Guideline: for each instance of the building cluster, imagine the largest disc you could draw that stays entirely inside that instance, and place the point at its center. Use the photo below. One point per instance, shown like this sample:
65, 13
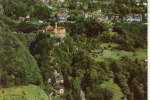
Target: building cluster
59, 80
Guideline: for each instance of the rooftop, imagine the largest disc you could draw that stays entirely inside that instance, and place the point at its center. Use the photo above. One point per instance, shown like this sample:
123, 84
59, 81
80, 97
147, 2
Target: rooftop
58, 87
60, 77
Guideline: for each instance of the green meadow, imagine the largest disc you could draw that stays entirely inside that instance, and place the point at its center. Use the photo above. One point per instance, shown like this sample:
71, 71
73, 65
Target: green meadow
110, 52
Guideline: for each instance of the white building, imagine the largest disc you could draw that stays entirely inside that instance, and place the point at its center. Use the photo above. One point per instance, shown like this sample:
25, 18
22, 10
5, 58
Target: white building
134, 17
58, 89
59, 79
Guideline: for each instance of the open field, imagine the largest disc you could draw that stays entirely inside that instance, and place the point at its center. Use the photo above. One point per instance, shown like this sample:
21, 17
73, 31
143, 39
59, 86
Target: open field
30, 92
117, 54
101, 55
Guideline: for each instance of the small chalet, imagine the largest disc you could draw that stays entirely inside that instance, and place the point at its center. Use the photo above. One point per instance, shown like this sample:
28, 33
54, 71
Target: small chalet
59, 79
62, 16
58, 89
134, 17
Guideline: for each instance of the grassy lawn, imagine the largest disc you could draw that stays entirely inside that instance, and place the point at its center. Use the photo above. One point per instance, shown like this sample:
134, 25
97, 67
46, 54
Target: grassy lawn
117, 54
30, 92
114, 88
140, 54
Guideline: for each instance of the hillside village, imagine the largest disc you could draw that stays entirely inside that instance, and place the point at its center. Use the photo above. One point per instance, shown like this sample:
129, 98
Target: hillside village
73, 49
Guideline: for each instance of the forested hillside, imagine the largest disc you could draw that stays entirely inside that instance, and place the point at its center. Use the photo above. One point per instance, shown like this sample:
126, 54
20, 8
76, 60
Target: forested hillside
73, 50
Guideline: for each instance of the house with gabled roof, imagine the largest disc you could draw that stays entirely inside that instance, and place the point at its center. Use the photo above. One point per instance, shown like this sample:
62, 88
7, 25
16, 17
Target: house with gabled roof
59, 79
62, 16
58, 89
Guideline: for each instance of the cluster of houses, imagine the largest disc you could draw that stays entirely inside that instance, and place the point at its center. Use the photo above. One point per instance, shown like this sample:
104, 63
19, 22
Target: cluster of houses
58, 88
129, 17
59, 80
63, 16
100, 17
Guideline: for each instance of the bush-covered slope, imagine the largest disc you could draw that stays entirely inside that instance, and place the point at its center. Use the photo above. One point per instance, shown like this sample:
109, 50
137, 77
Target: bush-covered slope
17, 65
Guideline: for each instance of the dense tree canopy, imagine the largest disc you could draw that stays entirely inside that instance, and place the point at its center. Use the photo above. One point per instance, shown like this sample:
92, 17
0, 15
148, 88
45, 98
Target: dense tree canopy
17, 65
28, 56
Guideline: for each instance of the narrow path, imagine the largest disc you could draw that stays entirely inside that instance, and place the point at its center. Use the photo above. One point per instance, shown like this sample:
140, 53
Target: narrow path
50, 96
82, 94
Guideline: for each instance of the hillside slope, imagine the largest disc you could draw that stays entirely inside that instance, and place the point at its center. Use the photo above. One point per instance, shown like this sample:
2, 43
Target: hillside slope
17, 65
114, 88
30, 92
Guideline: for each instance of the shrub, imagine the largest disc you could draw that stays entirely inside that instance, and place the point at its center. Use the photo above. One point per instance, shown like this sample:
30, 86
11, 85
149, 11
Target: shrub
134, 54
109, 46
3, 91
23, 92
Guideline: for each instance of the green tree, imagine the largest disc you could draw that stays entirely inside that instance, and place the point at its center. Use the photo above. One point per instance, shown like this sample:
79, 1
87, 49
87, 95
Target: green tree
16, 63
